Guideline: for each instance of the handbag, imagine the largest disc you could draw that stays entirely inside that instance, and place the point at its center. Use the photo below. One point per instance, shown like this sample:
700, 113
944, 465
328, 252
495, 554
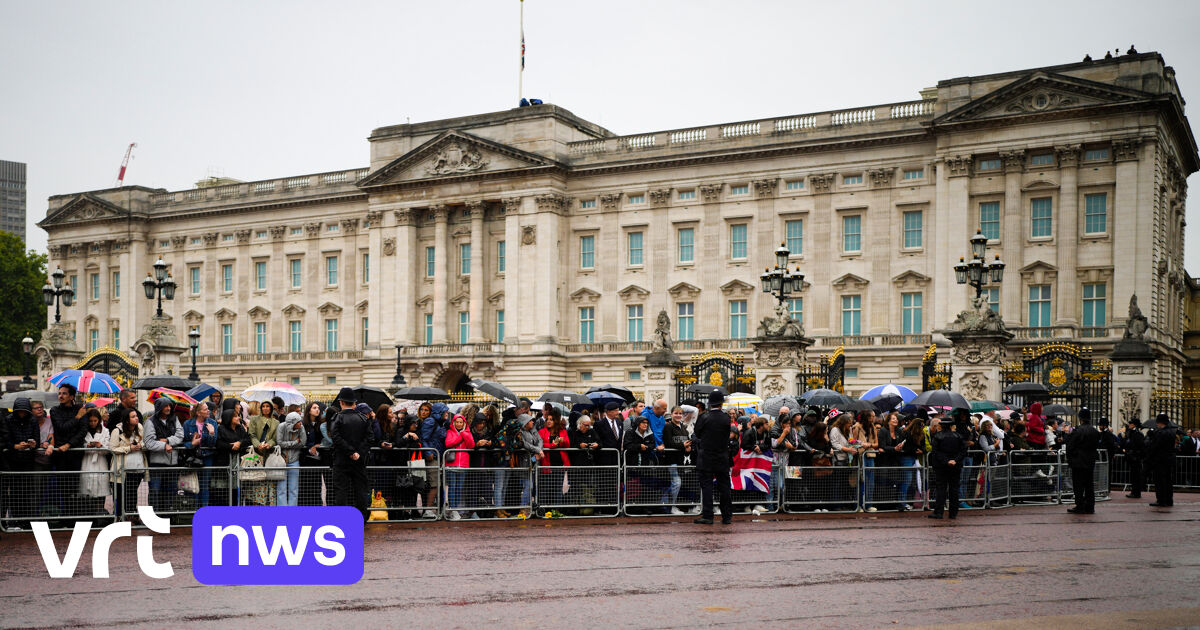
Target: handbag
251, 468
189, 482
275, 466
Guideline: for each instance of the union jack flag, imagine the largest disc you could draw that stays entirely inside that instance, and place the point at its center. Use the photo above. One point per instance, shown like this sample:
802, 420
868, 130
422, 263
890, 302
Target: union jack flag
752, 471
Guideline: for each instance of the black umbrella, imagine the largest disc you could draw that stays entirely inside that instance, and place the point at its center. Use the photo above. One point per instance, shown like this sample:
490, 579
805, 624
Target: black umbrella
371, 395
885, 402
569, 399
495, 390
623, 392
1027, 388
854, 404
941, 398
1057, 409
422, 393
169, 381
704, 388
823, 398
48, 399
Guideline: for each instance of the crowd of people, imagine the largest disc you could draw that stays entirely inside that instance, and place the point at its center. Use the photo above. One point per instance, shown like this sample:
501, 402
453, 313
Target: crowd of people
348, 453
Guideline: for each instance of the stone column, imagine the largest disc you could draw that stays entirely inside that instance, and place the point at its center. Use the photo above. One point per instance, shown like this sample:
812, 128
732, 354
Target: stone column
158, 349
658, 380
407, 264
777, 363
1133, 368
1066, 238
380, 331
976, 358
1011, 238
441, 275
478, 275
953, 197
518, 326
105, 300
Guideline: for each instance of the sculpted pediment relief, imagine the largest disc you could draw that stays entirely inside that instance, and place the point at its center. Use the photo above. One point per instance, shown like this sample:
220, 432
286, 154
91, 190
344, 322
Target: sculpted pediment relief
454, 154
850, 281
737, 288
85, 207
1041, 92
911, 279
585, 295
633, 292
684, 290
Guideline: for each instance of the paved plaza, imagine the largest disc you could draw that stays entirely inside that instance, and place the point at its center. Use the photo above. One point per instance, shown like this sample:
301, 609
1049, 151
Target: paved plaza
1129, 566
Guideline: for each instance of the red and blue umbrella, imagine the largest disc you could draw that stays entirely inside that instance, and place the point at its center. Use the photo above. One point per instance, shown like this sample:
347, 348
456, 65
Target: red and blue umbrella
86, 381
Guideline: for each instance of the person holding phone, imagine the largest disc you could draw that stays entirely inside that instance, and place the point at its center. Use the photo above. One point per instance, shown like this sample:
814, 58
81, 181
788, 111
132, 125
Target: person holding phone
126, 441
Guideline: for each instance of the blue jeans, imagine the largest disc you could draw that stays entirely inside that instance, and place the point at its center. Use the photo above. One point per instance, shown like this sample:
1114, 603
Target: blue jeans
866, 490
455, 478
205, 476
526, 491
287, 490
671, 493
500, 485
907, 475
969, 475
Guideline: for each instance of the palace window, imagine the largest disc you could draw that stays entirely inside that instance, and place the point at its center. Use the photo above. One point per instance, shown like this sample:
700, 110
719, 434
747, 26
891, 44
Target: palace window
913, 228
796, 309
687, 245
260, 276
500, 326
500, 253
739, 189
794, 184
1094, 304
687, 195
794, 234
737, 319
1039, 305
633, 322
464, 259
915, 173
587, 324
260, 337
1042, 159
331, 335
635, 249
1042, 212
737, 241
851, 180
851, 314
1095, 213
911, 306
587, 252
294, 335
116, 284
428, 329
430, 262
295, 273
227, 338
227, 278
852, 234
686, 321
989, 219
331, 271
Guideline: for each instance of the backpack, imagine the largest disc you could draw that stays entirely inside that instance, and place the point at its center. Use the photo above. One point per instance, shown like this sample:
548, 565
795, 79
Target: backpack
508, 436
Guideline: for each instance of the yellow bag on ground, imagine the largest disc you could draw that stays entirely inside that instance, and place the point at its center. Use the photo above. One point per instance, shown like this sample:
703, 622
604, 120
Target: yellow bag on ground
378, 502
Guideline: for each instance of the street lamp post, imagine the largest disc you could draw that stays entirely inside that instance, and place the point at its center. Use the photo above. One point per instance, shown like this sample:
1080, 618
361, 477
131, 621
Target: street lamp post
398, 381
779, 282
27, 347
194, 344
978, 272
160, 284
58, 294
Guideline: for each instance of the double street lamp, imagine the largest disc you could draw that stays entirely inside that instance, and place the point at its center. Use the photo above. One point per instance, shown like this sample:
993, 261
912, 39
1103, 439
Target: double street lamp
977, 272
58, 294
27, 346
194, 345
780, 282
160, 283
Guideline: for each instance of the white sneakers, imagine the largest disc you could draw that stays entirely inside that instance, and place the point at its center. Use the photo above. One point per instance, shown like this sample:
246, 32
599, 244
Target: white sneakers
695, 510
453, 516
676, 511
871, 509
758, 509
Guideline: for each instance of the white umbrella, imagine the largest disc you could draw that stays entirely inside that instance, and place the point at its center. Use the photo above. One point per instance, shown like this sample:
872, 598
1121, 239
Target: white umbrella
267, 390
743, 400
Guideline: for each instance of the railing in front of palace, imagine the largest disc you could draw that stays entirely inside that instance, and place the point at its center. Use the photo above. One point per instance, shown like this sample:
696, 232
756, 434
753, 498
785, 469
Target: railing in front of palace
766, 127
342, 355
255, 189
875, 340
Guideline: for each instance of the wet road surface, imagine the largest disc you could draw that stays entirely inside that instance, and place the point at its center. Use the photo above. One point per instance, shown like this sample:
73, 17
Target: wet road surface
1018, 567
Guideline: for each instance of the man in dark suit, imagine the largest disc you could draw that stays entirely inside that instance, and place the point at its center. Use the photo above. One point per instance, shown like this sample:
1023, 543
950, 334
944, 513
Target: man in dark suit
351, 435
712, 463
1135, 447
1160, 453
947, 457
1082, 444
610, 430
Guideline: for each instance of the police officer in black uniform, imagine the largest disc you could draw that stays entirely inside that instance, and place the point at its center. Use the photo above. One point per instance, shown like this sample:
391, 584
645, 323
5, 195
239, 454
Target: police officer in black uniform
947, 457
351, 435
1135, 453
1161, 454
1082, 445
713, 463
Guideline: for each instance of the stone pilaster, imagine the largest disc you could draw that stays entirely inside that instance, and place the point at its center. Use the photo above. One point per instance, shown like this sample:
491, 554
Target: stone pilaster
1132, 379
158, 348
976, 358
658, 379
777, 362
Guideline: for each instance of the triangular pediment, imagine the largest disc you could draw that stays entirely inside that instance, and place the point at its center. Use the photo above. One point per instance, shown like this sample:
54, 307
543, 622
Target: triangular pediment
585, 295
633, 292
455, 154
292, 310
85, 207
850, 281
684, 290
1041, 92
496, 299
329, 308
258, 312
224, 314
911, 278
737, 288
1038, 265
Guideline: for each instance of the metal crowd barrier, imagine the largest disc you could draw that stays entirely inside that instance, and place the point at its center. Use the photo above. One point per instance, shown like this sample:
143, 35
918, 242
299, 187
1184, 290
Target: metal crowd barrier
404, 478
493, 491
821, 488
660, 490
585, 489
1035, 477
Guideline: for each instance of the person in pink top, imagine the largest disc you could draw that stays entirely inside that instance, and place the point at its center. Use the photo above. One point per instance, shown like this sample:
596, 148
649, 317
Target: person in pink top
458, 437
1036, 427
554, 437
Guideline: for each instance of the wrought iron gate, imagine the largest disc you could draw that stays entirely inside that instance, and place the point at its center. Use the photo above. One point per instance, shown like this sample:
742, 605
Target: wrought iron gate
935, 375
828, 373
715, 368
1070, 373
112, 362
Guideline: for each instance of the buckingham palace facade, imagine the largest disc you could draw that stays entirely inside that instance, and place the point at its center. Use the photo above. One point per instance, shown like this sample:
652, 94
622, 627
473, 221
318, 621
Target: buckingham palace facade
536, 248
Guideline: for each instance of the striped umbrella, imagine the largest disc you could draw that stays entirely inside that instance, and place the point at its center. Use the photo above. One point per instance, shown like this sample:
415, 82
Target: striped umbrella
86, 381
175, 396
903, 392
743, 401
267, 390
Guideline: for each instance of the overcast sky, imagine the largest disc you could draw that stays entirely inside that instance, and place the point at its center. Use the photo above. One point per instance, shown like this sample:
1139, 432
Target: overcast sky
255, 90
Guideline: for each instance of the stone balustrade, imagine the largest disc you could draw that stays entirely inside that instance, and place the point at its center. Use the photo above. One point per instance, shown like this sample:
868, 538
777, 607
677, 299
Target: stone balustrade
261, 190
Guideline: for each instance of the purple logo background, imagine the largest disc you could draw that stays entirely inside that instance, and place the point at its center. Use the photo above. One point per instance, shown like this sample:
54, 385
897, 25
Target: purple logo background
320, 545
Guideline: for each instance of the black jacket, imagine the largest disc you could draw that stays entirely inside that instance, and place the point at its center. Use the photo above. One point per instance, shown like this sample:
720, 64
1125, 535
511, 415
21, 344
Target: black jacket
1108, 442
1135, 445
1161, 445
948, 445
889, 455
351, 433
608, 439
67, 428
673, 437
583, 457
712, 440
226, 437
1082, 444
635, 455
22, 427
751, 438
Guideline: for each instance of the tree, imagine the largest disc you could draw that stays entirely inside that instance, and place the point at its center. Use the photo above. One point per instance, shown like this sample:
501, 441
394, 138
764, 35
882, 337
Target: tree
22, 275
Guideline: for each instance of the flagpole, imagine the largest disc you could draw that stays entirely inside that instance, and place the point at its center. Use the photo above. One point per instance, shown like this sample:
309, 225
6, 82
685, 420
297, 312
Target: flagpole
521, 71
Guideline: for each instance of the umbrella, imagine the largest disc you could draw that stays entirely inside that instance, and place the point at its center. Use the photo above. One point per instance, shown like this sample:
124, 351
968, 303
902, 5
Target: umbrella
47, 399
565, 398
988, 405
886, 402
601, 399
903, 392
175, 396
744, 401
86, 381
267, 390
1027, 389
1057, 409
941, 398
772, 405
102, 402
857, 404
823, 398
704, 389
202, 391
495, 390
373, 396
624, 392
423, 393
163, 380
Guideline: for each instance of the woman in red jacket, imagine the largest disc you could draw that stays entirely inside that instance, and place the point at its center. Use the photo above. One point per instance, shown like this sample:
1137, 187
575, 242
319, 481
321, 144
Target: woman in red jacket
458, 436
1035, 427
554, 437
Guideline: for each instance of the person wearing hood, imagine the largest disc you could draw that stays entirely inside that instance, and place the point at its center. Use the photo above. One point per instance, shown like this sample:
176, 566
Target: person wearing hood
530, 451
1160, 451
20, 446
291, 438
262, 429
200, 435
233, 441
164, 434
946, 459
459, 438
434, 425
1035, 427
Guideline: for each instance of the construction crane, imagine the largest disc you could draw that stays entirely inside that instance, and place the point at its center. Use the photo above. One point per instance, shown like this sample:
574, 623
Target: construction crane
125, 164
